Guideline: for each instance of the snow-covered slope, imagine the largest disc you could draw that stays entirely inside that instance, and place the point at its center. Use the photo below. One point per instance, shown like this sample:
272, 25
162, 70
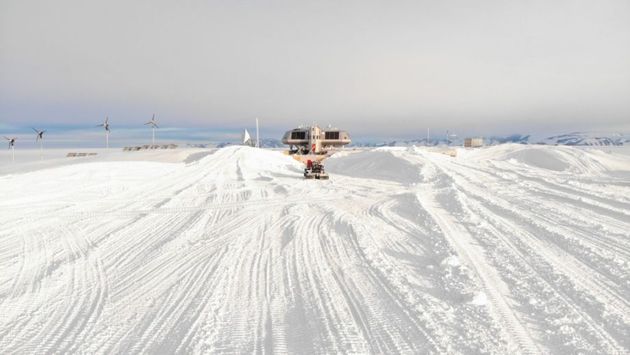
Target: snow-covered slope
500, 250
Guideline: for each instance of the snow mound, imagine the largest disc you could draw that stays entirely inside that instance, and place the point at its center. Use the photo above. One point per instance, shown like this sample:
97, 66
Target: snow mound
612, 163
559, 159
540, 158
378, 164
247, 163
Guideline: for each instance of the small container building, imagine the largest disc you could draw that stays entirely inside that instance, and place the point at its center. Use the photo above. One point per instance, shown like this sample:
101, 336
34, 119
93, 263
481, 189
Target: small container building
473, 142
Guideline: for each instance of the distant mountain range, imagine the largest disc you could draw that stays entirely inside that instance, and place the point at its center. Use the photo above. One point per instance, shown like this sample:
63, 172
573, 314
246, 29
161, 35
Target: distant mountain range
264, 142
585, 138
573, 139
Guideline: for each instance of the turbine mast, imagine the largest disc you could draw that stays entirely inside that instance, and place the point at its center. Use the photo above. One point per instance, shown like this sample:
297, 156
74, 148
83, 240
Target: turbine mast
153, 124
106, 126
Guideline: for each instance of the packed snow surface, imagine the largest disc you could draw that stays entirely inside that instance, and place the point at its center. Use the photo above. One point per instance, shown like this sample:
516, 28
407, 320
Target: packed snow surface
507, 249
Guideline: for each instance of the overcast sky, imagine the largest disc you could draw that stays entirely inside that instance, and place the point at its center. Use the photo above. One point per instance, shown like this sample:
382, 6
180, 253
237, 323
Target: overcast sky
374, 68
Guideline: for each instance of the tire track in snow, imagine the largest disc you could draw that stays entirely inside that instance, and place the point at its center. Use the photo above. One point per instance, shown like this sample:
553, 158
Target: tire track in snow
359, 290
597, 200
584, 279
544, 209
519, 337
84, 301
45, 277
38, 255
507, 227
260, 272
397, 294
415, 239
560, 235
589, 279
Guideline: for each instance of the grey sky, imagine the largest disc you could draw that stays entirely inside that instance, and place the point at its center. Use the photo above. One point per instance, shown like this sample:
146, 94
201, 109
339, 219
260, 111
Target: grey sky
385, 67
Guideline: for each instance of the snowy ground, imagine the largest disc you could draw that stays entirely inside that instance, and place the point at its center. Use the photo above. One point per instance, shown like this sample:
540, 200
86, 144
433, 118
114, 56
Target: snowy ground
500, 250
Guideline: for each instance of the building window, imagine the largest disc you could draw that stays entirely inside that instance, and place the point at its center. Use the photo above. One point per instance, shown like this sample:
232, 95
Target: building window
332, 135
298, 135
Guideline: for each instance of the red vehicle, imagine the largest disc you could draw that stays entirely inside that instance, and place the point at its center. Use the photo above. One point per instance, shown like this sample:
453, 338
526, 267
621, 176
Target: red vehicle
315, 170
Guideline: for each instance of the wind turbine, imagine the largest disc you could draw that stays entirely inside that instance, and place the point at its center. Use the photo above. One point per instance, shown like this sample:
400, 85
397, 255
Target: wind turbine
106, 126
154, 125
40, 139
11, 146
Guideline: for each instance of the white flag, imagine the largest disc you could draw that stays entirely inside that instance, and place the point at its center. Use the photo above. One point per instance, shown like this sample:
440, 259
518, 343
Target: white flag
247, 139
